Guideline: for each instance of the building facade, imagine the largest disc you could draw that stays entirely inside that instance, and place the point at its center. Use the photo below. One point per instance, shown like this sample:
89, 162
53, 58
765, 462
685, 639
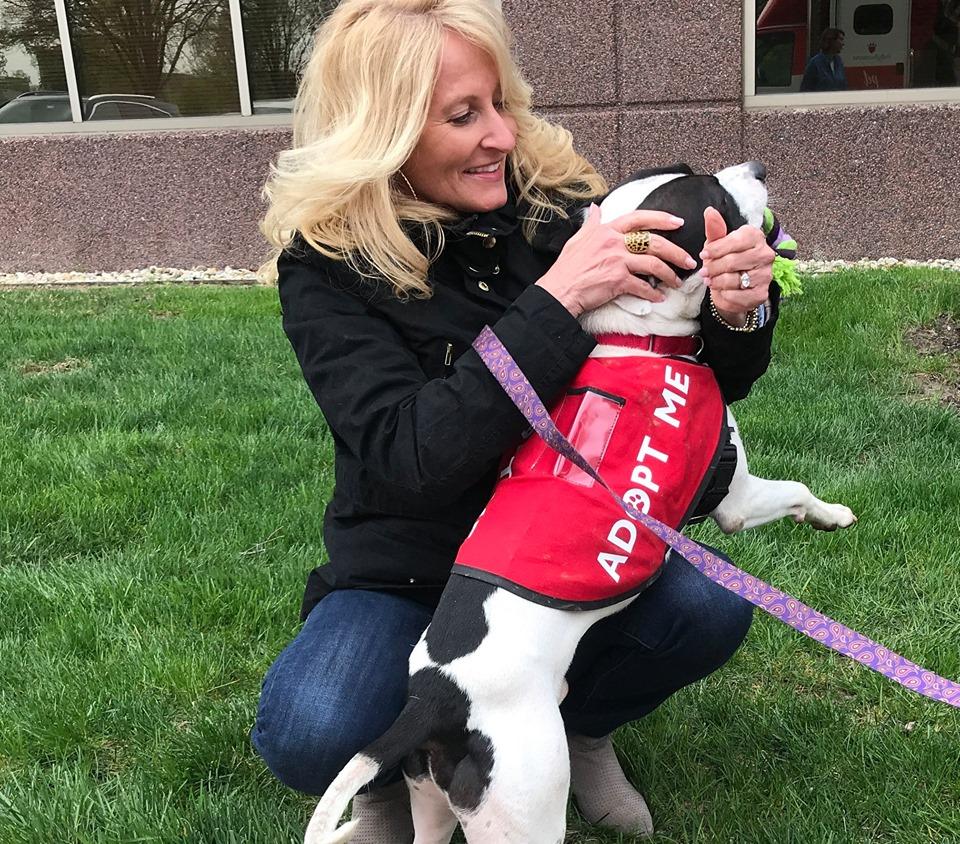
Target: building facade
120, 148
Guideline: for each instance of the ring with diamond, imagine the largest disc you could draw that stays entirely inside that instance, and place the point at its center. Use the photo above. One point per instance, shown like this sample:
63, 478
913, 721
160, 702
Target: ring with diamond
744, 280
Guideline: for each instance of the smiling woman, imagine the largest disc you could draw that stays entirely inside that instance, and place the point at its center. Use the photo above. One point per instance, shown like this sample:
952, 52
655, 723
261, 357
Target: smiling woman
460, 158
421, 201
355, 194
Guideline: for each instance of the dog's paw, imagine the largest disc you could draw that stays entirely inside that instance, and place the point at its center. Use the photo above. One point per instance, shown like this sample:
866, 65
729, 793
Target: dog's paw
825, 516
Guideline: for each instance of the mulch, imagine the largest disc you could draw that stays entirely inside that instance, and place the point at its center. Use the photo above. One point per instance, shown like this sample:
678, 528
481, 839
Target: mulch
940, 337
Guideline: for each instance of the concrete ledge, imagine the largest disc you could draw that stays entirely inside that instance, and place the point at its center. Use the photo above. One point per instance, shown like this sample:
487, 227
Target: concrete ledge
82, 202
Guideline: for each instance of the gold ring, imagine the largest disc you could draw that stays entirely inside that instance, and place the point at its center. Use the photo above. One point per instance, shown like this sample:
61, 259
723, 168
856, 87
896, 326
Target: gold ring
637, 243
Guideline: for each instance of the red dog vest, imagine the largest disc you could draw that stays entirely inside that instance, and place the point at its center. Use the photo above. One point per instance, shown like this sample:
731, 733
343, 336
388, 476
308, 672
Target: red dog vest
652, 428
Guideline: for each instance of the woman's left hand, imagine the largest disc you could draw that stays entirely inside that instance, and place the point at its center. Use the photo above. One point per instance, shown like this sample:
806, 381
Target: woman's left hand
725, 257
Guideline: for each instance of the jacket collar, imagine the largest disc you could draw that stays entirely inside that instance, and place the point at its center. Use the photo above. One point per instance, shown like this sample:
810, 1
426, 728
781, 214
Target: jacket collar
503, 221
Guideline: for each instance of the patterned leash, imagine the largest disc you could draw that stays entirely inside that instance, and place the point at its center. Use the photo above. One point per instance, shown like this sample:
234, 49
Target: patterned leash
779, 604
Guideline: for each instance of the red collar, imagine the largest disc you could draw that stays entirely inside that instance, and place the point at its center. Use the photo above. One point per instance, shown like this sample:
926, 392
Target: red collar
690, 346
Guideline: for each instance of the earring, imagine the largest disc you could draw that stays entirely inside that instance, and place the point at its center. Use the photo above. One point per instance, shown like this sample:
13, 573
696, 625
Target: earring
409, 185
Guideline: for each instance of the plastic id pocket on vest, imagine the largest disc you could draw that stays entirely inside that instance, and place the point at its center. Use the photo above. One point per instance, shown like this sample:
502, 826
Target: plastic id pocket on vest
588, 418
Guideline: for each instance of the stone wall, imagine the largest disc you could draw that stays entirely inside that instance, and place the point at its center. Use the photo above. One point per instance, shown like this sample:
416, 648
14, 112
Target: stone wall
638, 84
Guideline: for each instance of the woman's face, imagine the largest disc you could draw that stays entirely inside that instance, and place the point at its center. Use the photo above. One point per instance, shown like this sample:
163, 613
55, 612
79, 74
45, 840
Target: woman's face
459, 159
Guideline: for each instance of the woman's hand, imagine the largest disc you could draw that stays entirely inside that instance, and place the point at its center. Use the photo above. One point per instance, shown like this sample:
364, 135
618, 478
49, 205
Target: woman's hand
595, 265
725, 257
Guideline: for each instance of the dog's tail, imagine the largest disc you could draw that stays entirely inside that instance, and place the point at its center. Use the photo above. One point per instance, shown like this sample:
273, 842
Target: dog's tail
409, 731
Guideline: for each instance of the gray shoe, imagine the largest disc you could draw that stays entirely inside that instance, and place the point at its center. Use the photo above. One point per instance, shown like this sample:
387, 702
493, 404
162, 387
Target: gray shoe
383, 815
601, 789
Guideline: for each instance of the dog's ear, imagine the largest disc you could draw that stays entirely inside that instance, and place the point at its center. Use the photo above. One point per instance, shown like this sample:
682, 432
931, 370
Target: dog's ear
679, 169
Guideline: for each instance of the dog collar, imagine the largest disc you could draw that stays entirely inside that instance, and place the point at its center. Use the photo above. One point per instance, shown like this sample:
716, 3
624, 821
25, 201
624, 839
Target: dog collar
689, 346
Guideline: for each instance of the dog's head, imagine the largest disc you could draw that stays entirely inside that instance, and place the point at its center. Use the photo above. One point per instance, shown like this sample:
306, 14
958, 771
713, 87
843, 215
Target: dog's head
738, 193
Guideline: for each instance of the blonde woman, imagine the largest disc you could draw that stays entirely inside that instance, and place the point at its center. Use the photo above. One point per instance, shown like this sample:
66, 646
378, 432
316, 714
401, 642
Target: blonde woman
422, 200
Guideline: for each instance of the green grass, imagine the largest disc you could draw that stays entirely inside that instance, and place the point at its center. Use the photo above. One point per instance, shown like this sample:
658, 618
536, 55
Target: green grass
164, 472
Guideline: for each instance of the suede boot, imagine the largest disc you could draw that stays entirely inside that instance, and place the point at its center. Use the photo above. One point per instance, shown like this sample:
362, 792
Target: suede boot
383, 815
601, 789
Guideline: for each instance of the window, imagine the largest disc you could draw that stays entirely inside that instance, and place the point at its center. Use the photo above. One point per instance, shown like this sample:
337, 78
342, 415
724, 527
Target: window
31, 61
775, 59
33, 107
152, 59
178, 52
278, 35
875, 19
841, 51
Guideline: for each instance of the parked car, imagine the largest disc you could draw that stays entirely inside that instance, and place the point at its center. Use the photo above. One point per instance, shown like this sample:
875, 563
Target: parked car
47, 106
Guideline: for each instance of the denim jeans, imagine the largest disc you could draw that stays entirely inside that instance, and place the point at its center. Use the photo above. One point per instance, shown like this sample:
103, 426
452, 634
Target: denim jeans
342, 681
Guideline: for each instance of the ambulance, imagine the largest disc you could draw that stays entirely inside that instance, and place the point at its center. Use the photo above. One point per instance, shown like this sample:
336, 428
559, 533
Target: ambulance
889, 44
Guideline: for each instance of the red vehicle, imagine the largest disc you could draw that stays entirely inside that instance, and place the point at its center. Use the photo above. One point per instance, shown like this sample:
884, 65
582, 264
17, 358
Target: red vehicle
889, 43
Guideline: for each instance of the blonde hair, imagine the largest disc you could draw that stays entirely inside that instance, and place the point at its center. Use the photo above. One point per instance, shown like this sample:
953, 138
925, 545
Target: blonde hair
360, 110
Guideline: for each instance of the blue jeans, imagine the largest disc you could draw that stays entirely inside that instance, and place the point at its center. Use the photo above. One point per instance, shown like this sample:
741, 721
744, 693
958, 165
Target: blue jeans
342, 681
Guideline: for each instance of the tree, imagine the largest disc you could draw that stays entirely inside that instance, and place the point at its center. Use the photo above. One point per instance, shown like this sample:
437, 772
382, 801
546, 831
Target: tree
137, 44
279, 35
159, 47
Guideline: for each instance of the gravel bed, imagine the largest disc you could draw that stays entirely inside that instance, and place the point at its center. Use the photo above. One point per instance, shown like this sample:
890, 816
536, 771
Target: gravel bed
820, 267
150, 275
230, 275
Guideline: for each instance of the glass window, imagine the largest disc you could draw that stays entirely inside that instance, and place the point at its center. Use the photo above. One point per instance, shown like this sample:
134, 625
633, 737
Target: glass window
854, 45
102, 111
775, 59
134, 111
873, 19
169, 58
278, 36
31, 61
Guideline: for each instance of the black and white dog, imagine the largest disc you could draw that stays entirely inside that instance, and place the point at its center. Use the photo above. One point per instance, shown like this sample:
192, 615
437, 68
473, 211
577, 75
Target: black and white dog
480, 739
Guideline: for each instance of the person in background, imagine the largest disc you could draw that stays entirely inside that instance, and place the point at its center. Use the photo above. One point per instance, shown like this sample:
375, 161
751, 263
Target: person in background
422, 200
825, 71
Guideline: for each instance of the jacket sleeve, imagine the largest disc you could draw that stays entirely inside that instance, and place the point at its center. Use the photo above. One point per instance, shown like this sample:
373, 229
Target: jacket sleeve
431, 436
737, 359
811, 77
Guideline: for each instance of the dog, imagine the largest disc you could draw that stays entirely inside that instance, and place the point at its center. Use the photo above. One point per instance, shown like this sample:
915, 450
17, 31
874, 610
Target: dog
481, 740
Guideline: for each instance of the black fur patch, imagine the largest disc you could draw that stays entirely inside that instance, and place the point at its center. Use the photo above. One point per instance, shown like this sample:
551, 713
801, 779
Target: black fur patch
459, 624
687, 197
459, 759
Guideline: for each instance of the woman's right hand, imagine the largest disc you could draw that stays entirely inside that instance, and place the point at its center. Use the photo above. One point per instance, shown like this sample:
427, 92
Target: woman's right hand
595, 265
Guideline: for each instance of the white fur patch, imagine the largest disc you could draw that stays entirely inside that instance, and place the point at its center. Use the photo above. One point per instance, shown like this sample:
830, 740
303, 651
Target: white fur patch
748, 192
627, 197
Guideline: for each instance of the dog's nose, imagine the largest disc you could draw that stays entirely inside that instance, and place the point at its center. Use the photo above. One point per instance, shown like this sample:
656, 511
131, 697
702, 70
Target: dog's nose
758, 170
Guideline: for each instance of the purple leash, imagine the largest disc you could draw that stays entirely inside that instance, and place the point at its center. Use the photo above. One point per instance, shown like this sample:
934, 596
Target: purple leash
779, 604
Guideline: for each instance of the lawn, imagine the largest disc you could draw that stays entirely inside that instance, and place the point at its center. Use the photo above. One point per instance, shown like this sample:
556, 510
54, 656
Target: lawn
164, 473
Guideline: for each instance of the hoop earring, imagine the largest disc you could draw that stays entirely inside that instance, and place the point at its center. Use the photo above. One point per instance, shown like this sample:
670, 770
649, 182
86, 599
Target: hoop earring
405, 179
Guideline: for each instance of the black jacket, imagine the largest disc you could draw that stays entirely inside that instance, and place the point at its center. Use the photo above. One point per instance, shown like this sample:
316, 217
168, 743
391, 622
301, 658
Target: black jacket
418, 423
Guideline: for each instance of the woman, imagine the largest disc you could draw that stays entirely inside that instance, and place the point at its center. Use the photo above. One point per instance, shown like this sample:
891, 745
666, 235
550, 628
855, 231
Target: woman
421, 201
825, 71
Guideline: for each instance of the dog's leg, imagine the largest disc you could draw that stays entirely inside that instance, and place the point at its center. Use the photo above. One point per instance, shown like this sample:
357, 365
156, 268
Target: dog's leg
754, 501
516, 792
433, 819
526, 802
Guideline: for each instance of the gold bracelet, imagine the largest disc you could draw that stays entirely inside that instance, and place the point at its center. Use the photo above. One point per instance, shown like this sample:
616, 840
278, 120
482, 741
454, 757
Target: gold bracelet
751, 325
